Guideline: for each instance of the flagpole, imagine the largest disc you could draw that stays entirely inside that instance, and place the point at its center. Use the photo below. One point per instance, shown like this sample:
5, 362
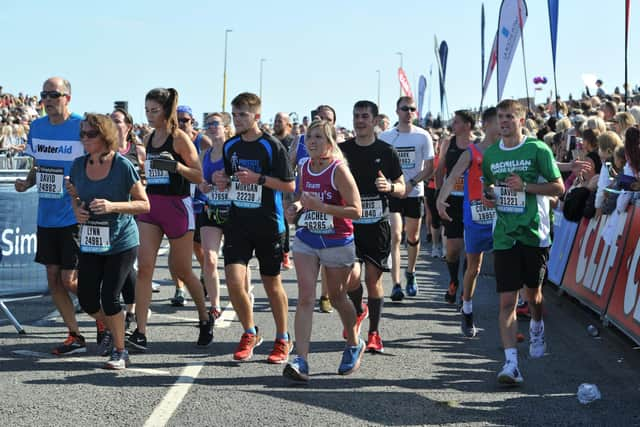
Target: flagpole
481, 55
524, 62
626, 54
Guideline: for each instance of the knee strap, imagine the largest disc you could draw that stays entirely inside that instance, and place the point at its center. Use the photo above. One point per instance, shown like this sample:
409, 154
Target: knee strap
410, 243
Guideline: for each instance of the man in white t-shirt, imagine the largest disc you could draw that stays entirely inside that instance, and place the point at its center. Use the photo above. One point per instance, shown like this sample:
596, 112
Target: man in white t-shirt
415, 149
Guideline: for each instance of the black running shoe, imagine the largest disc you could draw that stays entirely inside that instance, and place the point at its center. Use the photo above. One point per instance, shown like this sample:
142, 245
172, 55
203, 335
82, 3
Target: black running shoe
137, 341
450, 295
206, 332
467, 326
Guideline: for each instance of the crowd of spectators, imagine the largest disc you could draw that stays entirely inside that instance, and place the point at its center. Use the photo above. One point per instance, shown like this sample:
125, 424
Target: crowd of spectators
16, 114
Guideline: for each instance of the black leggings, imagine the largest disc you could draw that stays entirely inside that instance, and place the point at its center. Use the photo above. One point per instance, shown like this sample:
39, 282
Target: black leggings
101, 278
129, 288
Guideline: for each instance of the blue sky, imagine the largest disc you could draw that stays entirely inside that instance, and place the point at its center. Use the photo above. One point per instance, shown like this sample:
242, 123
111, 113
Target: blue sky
314, 54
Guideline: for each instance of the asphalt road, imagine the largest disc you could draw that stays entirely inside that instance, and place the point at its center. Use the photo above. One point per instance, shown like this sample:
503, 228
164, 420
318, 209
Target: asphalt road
428, 375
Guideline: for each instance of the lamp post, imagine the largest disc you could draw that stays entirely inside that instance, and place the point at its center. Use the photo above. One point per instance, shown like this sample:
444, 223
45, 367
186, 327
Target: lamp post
261, 67
401, 55
378, 71
224, 78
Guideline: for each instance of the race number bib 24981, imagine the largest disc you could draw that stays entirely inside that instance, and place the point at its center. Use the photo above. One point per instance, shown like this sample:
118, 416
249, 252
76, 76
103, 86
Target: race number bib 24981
94, 237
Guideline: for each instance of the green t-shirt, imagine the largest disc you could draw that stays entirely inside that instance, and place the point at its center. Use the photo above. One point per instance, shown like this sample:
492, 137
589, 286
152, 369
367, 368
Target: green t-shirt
521, 217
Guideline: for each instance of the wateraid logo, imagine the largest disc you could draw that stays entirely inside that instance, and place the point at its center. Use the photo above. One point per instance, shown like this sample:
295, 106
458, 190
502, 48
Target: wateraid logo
50, 149
14, 243
592, 273
631, 287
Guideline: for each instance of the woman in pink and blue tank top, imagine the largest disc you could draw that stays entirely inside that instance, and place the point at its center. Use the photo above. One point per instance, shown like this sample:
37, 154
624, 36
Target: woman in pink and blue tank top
327, 202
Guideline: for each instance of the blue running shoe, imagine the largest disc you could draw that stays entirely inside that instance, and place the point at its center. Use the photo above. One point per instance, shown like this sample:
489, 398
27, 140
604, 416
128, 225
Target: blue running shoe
396, 293
298, 370
351, 358
412, 285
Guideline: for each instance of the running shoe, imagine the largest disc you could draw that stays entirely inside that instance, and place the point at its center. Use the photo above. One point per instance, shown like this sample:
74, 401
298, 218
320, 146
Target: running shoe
298, 370
325, 305
281, 351
510, 374
74, 344
215, 313
178, 299
450, 295
412, 285
467, 326
137, 341
374, 343
359, 319
155, 287
248, 342
106, 345
396, 293
537, 345
286, 261
206, 331
119, 360
351, 358
435, 251
129, 318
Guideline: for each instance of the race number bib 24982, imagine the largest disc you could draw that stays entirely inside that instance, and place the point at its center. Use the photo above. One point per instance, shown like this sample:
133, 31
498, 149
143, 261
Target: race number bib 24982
49, 181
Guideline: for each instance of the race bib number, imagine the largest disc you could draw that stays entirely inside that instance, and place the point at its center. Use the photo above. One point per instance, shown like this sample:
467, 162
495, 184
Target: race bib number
372, 211
245, 195
458, 187
94, 237
407, 157
218, 198
50, 182
317, 222
509, 200
480, 214
155, 176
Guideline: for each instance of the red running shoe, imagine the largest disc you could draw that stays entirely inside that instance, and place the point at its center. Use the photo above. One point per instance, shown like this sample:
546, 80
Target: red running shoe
248, 342
374, 343
281, 351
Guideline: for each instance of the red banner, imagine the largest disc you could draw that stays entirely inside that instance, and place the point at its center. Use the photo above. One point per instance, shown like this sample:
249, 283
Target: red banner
404, 83
624, 307
593, 265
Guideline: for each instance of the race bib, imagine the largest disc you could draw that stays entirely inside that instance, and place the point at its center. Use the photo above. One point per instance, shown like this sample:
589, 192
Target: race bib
94, 237
372, 211
407, 157
480, 214
317, 222
218, 198
50, 182
155, 176
245, 195
458, 187
509, 200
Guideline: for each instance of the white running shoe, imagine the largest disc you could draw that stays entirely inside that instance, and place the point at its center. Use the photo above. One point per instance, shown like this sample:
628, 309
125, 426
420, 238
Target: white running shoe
510, 374
537, 345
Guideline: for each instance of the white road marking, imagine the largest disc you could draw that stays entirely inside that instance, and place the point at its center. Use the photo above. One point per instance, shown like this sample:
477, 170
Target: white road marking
166, 408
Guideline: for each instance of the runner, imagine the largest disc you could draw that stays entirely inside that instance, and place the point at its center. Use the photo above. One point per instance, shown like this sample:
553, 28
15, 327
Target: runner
108, 192
172, 162
282, 131
215, 214
128, 147
520, 174
260, 172
478, 220
415, 148
451, 150
432, 218
375, 165
54, 143
327, 203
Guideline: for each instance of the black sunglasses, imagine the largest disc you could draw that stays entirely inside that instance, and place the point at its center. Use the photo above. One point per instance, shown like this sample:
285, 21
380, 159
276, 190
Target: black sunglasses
211, 124
53, 94
183, 120
405, 109
89, 134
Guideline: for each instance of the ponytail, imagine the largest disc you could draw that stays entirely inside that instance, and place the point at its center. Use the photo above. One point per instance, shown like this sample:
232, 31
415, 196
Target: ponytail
170, 110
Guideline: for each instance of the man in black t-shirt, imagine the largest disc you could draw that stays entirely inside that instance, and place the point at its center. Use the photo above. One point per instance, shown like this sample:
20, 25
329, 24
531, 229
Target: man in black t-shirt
376, 167
256, 172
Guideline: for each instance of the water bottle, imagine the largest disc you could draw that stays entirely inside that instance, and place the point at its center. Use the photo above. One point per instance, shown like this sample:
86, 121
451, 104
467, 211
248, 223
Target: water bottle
587, 393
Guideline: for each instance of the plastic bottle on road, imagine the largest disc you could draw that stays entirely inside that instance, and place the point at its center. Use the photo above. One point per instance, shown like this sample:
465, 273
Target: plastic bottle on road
587, 393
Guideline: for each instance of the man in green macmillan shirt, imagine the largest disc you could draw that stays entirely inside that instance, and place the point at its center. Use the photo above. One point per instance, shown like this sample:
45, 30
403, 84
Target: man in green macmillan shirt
520, 175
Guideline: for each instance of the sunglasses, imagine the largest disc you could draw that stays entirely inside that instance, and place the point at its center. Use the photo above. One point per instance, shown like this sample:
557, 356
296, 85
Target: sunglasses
89, 134
183, 120
405, 109
211, 124
52, 94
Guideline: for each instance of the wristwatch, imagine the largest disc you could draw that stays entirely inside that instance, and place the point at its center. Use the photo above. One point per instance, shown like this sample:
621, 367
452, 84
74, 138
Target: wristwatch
413, 182
262, 180
393, 187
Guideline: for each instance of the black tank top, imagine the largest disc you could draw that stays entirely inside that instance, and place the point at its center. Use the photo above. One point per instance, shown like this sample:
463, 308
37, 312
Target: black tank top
452, 155
178, 185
